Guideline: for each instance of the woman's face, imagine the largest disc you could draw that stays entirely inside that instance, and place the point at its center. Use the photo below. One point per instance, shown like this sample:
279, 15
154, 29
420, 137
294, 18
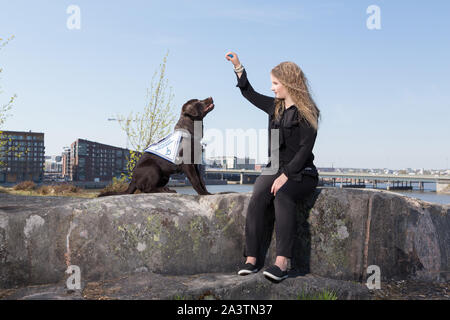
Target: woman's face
279, 90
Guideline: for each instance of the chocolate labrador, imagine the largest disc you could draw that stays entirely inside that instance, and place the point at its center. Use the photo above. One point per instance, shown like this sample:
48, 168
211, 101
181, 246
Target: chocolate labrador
152, 172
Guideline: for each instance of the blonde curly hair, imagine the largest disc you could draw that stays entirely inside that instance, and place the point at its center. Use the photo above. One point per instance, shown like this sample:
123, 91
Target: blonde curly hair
294, 80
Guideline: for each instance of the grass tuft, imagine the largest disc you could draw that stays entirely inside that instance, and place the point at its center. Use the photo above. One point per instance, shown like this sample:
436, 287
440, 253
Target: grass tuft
324, 294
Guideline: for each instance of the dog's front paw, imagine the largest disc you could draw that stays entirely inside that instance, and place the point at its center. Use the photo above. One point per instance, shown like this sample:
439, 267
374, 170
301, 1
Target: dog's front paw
167, 189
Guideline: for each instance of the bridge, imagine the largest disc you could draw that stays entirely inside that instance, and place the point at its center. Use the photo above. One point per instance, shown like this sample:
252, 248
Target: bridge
354, 179
243, 176
395, 181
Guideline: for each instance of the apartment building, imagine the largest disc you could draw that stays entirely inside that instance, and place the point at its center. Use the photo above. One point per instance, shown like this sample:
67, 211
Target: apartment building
231, 162
92, 161
21, 156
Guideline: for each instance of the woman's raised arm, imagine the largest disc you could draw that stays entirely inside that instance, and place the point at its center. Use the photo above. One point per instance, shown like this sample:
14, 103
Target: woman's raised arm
261, 101
265, 103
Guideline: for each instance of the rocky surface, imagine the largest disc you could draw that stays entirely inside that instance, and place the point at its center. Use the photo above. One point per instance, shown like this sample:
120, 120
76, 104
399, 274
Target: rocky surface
411, 289
446, 190
216, 286
229, 286
340, 233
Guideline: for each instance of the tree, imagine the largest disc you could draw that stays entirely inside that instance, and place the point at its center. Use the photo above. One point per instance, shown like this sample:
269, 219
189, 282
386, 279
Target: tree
4, 108
153, 123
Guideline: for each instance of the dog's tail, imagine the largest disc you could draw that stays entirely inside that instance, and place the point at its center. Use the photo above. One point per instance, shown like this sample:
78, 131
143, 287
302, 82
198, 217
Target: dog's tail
110, 193
131, 189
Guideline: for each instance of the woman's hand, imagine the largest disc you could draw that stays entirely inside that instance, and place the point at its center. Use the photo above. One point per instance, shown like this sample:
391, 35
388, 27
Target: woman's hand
234, 60
278, 183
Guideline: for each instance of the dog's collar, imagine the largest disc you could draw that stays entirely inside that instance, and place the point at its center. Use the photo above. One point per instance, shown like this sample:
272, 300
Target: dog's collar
192, 117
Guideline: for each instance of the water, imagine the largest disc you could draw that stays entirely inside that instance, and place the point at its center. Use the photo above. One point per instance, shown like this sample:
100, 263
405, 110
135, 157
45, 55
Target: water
217, 188
429, 194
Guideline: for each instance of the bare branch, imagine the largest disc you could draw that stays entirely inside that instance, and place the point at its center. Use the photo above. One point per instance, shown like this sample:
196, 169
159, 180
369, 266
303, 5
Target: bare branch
154, 121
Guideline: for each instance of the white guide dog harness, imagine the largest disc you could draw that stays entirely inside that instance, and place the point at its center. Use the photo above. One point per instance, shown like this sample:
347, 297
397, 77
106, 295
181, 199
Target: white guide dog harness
169, 146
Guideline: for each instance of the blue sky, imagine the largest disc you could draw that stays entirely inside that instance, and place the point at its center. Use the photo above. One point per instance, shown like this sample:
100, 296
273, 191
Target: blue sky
384, 94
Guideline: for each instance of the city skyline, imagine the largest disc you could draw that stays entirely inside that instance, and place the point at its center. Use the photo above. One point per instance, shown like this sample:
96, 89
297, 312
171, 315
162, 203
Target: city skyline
383, 94
231, 155
257, 163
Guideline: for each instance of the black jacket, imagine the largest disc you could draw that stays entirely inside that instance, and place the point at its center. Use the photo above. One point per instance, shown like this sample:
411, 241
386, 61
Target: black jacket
297, 137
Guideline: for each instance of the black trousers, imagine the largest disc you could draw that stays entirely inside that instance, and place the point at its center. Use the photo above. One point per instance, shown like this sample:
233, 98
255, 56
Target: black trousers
285, 213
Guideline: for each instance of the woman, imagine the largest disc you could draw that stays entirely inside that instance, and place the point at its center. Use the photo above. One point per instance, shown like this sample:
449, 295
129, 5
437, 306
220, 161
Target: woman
295, 114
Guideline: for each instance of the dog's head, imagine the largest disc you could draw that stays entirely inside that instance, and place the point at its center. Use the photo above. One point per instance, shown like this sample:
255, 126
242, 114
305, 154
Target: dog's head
197, 109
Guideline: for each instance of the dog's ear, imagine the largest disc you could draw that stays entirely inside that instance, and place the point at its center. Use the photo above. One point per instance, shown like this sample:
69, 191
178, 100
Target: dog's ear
192, 108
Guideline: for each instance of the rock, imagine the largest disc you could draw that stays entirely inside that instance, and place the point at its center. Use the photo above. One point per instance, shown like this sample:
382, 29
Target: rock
340, 233
442, 187
214, 286
409, 237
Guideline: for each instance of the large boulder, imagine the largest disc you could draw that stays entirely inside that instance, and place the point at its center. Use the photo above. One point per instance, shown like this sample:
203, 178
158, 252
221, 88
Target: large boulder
340, 233
207, 286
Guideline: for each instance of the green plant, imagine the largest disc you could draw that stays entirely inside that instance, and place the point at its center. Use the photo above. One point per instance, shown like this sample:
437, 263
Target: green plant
117, 185
153, 123
323, 294
6, 148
